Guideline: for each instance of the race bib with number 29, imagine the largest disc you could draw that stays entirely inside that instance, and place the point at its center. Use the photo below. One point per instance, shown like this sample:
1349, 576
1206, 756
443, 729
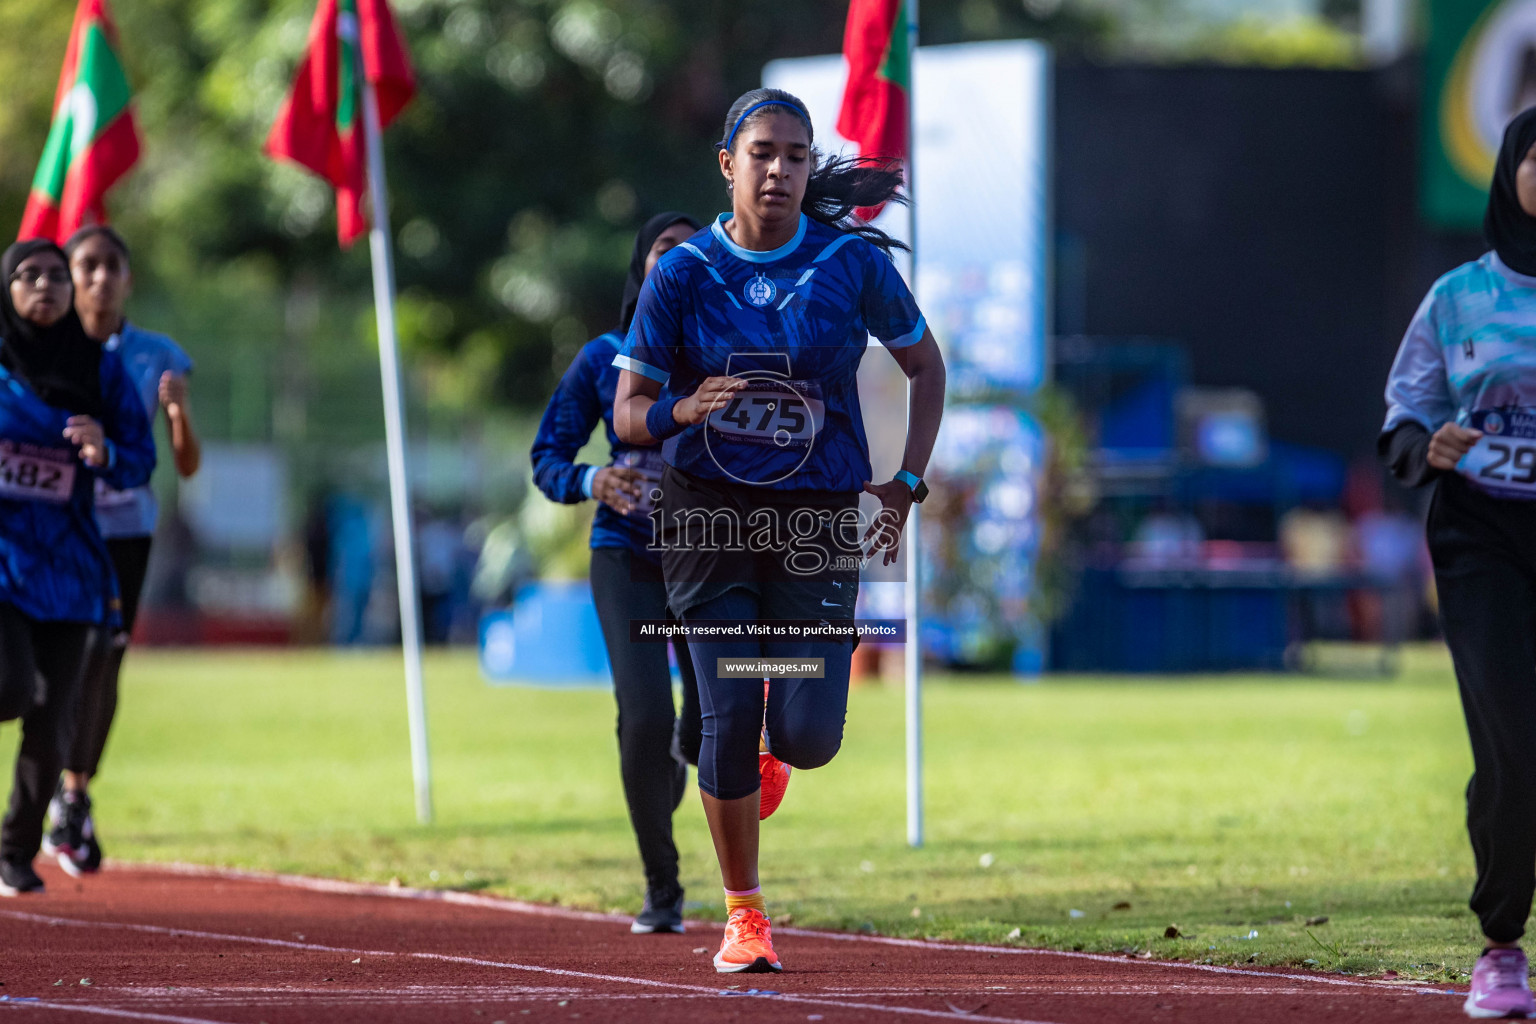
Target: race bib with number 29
1503, 461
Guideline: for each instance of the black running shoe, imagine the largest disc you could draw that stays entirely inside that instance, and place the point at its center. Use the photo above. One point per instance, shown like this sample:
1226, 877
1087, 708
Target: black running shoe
88, 858
69, 837
662, 913
17, 877
56, 833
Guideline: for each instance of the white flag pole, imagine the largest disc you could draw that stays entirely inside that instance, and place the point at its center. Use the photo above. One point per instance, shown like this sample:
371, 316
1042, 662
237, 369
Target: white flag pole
394, 440
914, 645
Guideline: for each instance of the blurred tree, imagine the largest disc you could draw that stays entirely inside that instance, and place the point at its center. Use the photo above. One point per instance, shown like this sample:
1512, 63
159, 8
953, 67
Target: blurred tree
542, 133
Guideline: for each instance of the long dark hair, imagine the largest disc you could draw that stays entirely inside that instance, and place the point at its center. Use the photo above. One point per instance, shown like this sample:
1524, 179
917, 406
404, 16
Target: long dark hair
838, 186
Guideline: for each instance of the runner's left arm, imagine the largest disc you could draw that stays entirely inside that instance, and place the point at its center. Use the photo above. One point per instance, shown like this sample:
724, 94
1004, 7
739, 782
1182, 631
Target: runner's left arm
890, 313
130, 439
175, 397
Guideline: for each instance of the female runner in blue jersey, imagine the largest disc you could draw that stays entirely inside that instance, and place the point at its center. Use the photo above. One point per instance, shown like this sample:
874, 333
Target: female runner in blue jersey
98, 263
756, 327
69, 414
1461, 409
627, 584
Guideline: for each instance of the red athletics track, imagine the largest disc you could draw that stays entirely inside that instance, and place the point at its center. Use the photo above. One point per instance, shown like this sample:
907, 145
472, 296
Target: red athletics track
190, 946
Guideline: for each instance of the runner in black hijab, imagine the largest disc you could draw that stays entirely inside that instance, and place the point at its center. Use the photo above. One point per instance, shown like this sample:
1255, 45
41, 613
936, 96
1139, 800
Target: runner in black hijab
1510, 230
654, 740
58, 582
1460, 401
649, 232
60, 363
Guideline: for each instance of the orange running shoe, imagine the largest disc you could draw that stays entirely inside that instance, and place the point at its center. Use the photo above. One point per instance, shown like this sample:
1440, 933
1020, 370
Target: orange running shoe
773, 772
748, 944
775, 776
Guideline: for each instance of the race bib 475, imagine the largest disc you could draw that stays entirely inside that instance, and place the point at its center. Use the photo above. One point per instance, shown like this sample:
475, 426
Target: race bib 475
782, 413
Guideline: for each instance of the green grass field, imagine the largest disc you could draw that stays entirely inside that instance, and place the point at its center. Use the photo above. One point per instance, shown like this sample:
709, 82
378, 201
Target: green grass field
1077, 813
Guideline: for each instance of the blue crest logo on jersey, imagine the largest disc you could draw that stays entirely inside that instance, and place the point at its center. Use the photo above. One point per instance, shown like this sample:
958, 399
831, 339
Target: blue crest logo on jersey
1493, 423
760, 291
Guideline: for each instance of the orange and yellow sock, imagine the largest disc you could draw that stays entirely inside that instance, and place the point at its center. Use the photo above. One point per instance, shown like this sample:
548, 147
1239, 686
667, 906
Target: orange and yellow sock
752, 897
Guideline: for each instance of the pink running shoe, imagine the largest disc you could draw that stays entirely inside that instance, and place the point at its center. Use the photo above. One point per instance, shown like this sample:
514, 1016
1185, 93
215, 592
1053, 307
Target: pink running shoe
1500, 986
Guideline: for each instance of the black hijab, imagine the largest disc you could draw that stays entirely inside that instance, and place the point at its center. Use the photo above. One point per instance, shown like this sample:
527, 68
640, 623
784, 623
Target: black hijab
1509, 229
60, 363
649, 232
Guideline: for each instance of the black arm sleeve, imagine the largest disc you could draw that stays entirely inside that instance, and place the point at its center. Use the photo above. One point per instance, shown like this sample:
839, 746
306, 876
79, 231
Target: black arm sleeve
1405, 450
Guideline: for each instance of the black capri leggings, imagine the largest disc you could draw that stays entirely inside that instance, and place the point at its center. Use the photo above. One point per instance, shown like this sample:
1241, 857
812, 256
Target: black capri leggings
655, 776
40, 665
1484, 551
98, 697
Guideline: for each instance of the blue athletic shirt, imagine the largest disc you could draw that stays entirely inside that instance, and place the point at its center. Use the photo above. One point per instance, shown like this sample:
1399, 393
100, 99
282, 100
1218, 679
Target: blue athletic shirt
584, 396
1469, 357
146, 355
795, 322
53, 561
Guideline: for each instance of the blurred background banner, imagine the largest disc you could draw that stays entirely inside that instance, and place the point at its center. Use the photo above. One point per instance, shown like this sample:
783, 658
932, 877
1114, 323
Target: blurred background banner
1480, 70
982, 194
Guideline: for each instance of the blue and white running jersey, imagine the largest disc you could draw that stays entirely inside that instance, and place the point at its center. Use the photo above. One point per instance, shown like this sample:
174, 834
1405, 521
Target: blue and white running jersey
53, 562
1469, 357
795, 323
146, 355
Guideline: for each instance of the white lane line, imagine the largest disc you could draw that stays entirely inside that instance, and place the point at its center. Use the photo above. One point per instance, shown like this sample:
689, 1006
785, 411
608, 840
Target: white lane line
341, 888
104, 1011
702, 990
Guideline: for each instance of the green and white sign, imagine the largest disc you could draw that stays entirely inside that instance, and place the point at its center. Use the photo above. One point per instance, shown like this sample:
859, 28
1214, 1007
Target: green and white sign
1480, 71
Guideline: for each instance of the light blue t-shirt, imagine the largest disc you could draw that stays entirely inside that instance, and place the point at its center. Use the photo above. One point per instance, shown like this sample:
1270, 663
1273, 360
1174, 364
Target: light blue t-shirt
1469, 358
146, 355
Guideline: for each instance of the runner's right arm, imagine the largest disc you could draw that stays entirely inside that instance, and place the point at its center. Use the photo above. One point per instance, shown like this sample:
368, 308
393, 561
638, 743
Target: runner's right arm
645, 364
1418, 401
572, 413
574, 410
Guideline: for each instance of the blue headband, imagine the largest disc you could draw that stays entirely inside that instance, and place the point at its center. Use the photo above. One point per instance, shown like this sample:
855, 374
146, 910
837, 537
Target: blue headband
729, 139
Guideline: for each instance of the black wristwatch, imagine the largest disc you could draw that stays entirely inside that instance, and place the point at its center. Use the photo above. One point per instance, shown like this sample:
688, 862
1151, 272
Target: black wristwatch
914, 484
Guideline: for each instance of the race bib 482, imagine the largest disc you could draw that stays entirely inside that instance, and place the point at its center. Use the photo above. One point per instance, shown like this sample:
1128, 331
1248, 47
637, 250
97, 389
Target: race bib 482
32, 473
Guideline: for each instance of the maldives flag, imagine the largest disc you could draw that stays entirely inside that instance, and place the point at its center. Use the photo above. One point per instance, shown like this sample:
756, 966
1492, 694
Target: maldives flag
320, 126
92, 141
874, 112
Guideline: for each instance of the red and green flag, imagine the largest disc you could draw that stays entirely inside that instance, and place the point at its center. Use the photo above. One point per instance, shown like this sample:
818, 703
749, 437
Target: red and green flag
874, 112
320, 126
93, 141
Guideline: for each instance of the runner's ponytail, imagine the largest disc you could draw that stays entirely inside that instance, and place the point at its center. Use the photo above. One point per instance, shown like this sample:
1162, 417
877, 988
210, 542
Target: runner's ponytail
841, 185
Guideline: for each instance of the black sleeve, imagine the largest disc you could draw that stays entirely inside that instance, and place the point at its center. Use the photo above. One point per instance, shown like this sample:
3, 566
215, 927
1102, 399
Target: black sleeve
1405, 450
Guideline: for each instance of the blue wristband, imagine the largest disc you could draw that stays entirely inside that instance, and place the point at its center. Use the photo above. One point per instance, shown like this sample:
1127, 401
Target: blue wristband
586, 481
658, 419
910, 479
